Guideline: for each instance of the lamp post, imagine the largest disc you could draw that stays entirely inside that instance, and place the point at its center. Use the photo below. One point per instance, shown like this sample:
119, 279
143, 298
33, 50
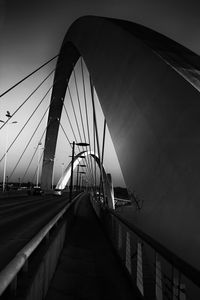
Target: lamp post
52, 179
80, 181
8, 115
72, 166
38, 169
77, 178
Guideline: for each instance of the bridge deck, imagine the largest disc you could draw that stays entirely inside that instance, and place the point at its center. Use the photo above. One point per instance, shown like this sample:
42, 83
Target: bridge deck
88, 269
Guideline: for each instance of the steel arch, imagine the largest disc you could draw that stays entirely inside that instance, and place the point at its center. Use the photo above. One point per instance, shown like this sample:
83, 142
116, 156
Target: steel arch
106, 183
148, 88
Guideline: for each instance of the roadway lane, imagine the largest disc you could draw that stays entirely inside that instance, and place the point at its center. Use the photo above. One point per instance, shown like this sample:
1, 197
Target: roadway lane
22, 218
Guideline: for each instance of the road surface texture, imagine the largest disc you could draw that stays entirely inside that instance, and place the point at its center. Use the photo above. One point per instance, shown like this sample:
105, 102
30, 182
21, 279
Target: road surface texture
20, 220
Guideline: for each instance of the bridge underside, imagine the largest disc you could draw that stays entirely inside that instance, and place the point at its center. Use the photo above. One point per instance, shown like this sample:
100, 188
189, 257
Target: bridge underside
152, 111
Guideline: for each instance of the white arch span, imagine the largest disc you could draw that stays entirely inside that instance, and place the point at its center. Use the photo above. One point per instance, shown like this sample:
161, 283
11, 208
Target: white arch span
107, 181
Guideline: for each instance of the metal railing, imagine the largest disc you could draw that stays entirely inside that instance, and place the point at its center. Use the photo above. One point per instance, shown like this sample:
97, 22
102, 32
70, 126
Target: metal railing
8, 276
156, 271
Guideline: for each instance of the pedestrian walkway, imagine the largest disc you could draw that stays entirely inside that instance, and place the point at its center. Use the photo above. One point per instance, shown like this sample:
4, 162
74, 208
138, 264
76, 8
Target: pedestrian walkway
88, 269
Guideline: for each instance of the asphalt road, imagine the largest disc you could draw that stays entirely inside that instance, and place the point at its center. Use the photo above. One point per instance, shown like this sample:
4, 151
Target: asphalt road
22, 218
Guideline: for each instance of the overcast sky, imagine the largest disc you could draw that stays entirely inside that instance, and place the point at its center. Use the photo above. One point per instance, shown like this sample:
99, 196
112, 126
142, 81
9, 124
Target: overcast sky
31, 32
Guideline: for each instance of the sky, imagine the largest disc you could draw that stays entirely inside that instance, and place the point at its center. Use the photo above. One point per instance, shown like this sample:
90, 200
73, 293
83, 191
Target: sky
31, 32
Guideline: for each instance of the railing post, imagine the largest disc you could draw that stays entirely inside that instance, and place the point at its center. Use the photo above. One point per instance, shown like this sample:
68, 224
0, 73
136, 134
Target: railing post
158, 275
139, 276
148, 271
25, 267
113, 230
119, 239
13, 287
128, 252
47, 238
178, 287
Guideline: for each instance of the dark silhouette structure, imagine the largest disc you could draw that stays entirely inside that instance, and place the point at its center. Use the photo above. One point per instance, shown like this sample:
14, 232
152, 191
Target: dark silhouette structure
148, 87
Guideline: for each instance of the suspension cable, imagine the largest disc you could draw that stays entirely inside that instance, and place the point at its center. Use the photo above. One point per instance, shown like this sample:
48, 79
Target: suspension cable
78, 98
70, 95
75, 120
28, 98
65, 133
37, 166
34, 153
80, 111
86, 114
95, 121
96, 130
77, 92
69, 122
103, 144
84, 92
26, 123
52, 100
70, 125
74, 113
31, 136
95, 166
16, 84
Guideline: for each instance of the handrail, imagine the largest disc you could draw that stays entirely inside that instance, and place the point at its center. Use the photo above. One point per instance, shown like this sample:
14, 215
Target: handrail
185, 268
16, 264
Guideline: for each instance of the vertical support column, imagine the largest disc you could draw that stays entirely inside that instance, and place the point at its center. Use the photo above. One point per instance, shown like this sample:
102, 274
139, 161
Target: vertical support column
158, 274
148, 272
128, 252
25, 267
113, 233
182, 291
139, 278
71, 179
178, 287
119, 238
13, 287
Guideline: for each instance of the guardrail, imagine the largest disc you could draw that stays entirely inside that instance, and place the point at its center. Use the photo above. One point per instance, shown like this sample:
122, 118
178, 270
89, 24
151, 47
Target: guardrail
156, 271
8, 276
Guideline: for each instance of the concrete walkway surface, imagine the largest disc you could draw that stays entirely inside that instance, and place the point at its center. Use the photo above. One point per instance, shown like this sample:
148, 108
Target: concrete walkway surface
88, 268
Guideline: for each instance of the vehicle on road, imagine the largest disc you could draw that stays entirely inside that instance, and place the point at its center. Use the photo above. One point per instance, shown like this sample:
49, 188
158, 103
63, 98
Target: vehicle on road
35, 190
57, 192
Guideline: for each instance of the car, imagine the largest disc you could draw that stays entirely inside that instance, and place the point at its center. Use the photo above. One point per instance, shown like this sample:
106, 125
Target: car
57, 192
35, 190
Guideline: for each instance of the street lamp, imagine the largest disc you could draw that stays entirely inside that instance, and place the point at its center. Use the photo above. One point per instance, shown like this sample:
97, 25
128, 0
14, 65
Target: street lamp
82, 166
72, 165
38, 169
52, 179
77, 177
80, 181
8, 115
